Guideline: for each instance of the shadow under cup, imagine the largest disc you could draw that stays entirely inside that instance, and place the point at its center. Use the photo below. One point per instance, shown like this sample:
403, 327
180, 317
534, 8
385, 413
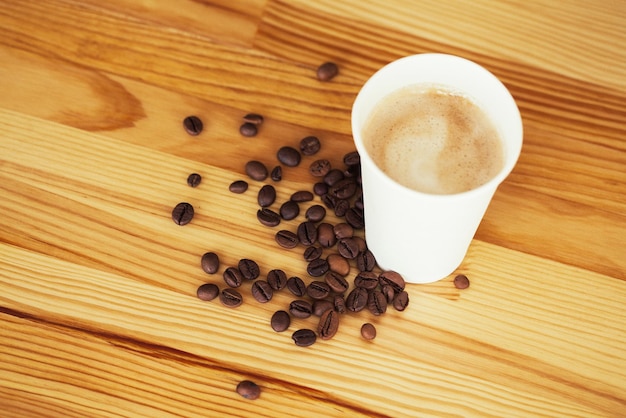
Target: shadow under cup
424, 236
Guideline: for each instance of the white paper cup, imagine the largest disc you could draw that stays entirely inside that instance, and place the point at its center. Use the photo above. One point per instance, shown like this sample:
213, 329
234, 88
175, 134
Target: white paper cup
424, 236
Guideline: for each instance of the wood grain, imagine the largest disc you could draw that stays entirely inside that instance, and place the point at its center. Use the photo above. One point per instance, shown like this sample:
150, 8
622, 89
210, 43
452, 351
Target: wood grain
98, 310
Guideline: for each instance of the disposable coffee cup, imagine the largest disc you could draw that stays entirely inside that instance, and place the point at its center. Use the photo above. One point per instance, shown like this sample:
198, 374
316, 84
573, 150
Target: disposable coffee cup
425, 236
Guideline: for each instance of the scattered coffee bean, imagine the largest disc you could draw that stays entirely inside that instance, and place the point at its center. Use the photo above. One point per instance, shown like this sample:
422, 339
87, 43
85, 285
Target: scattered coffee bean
182, 213
256, 170
248, 129
232, 277
307, 233
277, 173
280, 321
266, 196
377, 302
320, 189
393, 279
296, 286
288, 156
210, 262
348, 248
319, 168
357, 299
343, 189
461, 281
302, 196
249, 269
368, 331
338, 264
329, 200
238, 186
352, 159
312, 253
340, 304
389, 293
336, 282
326, 235
328, 325
365, 261
310, 145
367, 280
318, 290
194, 179
318, 267
333, 177
193, 125
277, 279
289, 210
268, 217
287, 239
248, 389
304, 337
343, 230
301, 308
208, 291
401, 301
327, 71
322, 305
354, 217
360, 243
315, 213
341, 207
262, 291
231, 298
253, 118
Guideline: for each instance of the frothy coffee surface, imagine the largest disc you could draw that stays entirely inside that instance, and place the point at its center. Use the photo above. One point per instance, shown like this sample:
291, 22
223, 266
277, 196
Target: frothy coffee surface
433, 140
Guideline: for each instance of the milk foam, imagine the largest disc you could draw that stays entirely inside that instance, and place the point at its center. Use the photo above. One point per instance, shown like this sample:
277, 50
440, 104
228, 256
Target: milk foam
433, 140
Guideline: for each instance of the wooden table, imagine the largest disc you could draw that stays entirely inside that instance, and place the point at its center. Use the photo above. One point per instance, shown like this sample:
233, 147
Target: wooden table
98, 307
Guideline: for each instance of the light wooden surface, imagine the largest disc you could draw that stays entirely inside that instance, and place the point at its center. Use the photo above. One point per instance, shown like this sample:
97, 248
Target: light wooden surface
98, 311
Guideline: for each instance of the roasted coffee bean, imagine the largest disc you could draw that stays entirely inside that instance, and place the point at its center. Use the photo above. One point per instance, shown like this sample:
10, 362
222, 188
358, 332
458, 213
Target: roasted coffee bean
354, 217
317, 290
320, 188
249, 389
182, 213
322, 305
231, 298
248, 129
461, 281
238, 186
326, 235
393, 279
289, 210
388, 292
266, 196
343, 230
365, 261
310, 145
315, 213
233, 277
377, 302
262, 291
336, 282
368, 331
360, 243
348, 248
302, 196
343, 189
340, 304
341, 207
312, 253
320, 168
277, 279
296, 286
338, 264
300, 308
318, 267
304, 337
289, 156
194, 179
256, 170
357, 299
277, 173
280, 321
210, 262
327, 71
253, 118
354, 172
329, 201
328, 325
208, 291
358, 204
367, 280
352, 158
193, 125
333, 177
268, 217
287, 239
249, 269
401, 301
307, 233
